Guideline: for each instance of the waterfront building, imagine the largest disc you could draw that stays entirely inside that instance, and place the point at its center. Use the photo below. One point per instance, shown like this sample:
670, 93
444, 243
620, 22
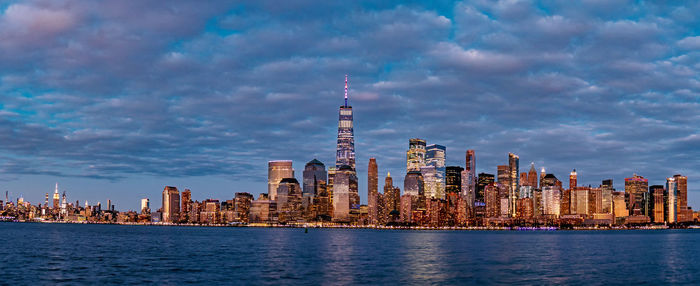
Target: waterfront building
619, 205
415, 156
262, 210
276, 171
435, 156
484, 180
289, 195
684, 213
551, 201
670, 200
607, 190
532, 176
579, 201
186, 201
314, 172
453, 179
431, 182
392, 195
525, 208
241, 206
407, 207
495, 194
635, 187
171, 204
657, 203
468, 192
413, 184
514, 180
343, 184
372, 190
145, 206
345, 149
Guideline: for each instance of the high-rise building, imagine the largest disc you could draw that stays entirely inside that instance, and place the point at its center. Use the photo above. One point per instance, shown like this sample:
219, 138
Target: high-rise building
145, 206
372, 190
532, 176
435, 156
344, 181
453, 179
56, 198
186, 202
514, 169
635, 188
345, 150
171, 204
276, 171
503, 175
392, 195
468, 193
314, 172
542, 175
684, 215
289, 195
670, 200
484, 180
524, 181
657, 206
470, 168
413, 184
415, 156
572, 179
431, 183
551, 200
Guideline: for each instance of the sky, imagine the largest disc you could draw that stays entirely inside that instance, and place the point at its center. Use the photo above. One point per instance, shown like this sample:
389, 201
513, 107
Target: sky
117, 99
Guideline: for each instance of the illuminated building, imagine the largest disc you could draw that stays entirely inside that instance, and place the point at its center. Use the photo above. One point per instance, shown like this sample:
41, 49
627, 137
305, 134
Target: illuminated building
514, 180
542, 175
524, 179
186, 201
526, 192
635, 188
56, 198
595, 201
406, 208
435, 156
413, 184
657, 204
572, 179
431, 182
670, 200
314, 172
503, 174
525, 208
579, 201
345, 151
276, 171
392, 195
262, 210
289, 195
470, 167
468, 192
453, 180
171, 204
684, 214
415, 156
344, 179
484, 180
242, 203
607, 201
532, 176
372, 190
494, 194
619, 205
551, 200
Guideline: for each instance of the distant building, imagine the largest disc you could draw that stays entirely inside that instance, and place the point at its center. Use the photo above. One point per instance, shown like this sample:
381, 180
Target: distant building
435, 156
685, 214
415, 156
145, 206
635, 187
532, 176
289, 196
483, 180
171, 204
345, 150
551, 201
670, 200
470, 169
453, 179
514, 180
431, 182
413, 184
372, 191
344, 180
392, 195
186, 201
276, 171
314, 172
242, 204
657, 203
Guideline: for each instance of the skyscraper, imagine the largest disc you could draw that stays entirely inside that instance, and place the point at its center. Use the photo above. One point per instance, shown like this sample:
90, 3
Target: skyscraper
171, 204
276, 171
56, 198
670, 200
572, 179
372, 190
413, 184
343, 183
470, 169
435, 156
656, 193
532, 176
345, 150
484, 180
314, 172
145, 206
514, 168
392, 195
682, 199
453, 179
431, 184
635, 188
186, 202
415, 156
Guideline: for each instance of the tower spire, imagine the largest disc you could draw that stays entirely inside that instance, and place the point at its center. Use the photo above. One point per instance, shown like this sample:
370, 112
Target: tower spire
346, 90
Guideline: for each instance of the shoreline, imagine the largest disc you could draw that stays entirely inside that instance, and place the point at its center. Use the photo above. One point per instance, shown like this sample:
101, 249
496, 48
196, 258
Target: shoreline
340, 226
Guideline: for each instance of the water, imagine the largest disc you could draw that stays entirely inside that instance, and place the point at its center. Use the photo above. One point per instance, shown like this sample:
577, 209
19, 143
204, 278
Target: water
112, 254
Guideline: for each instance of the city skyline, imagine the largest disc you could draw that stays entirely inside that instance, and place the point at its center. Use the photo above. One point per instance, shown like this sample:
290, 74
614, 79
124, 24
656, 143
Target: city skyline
213, 96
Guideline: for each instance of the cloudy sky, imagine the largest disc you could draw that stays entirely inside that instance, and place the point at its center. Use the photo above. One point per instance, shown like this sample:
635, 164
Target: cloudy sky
117, 99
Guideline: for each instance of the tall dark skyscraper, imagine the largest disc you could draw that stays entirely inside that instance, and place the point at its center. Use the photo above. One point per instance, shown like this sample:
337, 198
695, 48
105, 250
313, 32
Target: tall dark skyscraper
372, 190
483, 181
514, 168
635, 188
314, 173
469, 186
345, 151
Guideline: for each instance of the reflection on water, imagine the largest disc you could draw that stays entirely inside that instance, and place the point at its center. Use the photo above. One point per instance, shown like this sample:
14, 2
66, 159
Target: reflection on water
108, 254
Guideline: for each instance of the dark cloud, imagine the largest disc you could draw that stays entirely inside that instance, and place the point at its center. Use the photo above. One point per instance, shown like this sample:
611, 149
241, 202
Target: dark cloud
117, 90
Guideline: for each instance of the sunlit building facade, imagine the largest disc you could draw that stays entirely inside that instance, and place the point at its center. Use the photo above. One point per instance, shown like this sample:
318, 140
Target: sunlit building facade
276, 171
415, 156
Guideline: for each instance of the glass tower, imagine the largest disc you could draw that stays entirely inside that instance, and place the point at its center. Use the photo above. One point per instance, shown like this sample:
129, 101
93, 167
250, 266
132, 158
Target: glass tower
345, 151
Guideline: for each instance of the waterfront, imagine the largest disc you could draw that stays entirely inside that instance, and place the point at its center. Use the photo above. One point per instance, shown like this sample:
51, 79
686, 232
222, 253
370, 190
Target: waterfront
116, 254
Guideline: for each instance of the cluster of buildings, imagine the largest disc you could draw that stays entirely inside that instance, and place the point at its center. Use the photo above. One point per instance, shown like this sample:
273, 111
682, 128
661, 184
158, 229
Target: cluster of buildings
434, 195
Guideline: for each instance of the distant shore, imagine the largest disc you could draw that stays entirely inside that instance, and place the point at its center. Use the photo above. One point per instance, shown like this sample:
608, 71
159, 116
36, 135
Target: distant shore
344, 226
